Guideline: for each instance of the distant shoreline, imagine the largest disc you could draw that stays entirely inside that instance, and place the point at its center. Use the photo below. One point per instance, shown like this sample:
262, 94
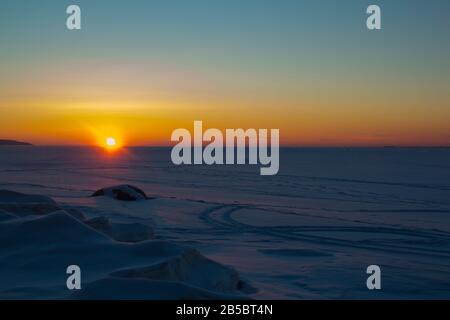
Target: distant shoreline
13, 143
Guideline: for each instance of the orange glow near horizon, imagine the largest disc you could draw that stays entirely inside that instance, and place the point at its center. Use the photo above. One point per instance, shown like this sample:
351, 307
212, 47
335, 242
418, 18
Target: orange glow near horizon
86, 113
108, 137
144, 130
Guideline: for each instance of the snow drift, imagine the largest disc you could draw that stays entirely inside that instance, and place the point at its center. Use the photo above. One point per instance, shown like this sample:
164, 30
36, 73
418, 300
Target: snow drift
39, 239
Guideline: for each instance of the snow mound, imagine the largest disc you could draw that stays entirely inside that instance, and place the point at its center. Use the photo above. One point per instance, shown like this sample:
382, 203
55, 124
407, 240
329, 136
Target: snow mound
118, 260
14, 204
4, 215
125, 232
7, 196
180, 269
140, 289
122, 192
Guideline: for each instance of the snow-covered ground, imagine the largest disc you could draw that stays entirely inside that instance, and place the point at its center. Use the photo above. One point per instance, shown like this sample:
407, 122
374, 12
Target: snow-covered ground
225, 231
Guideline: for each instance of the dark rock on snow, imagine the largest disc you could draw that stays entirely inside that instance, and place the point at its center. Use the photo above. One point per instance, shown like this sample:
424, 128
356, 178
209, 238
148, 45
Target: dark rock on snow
122, 192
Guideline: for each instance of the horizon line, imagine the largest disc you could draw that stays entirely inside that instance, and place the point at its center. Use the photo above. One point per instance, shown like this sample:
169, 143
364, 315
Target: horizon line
281, 146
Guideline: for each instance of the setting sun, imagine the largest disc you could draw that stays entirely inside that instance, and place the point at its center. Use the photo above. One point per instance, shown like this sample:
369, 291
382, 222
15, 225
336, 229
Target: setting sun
111, 142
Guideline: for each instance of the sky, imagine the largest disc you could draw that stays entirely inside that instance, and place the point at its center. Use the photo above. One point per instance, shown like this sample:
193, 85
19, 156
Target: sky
139, 69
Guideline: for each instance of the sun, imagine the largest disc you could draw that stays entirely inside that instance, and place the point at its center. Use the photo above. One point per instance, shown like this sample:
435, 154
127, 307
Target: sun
111, 142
